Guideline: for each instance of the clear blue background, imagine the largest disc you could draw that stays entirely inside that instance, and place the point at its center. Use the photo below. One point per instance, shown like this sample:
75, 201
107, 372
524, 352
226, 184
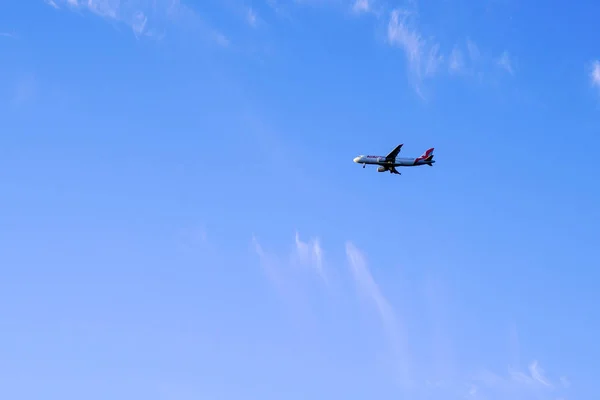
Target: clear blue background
152, 182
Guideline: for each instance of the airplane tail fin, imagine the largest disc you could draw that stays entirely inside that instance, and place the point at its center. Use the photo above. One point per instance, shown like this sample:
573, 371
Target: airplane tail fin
428, 153
428, 160
427, 157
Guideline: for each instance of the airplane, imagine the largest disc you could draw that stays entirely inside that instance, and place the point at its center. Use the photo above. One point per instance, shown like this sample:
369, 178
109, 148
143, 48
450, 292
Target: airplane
391, 161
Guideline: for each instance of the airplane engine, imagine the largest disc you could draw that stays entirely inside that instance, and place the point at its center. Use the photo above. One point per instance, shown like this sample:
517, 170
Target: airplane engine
381, 169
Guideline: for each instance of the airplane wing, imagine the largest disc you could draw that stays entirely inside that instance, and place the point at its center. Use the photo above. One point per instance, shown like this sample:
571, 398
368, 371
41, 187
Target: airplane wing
394, 153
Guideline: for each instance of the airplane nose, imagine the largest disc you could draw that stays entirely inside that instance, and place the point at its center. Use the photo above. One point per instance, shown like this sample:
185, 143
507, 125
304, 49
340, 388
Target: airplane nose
356, 159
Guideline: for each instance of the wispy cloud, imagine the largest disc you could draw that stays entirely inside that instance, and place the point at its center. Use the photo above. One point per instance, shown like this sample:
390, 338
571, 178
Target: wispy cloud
422, 55
251, 17
270, 265
473, 50
51, 3
537, 374
8, 35
595, 73
311, 254
307, 254
361, 6
368, 287
220, 39
516, 384
414, 373
146, 18
425, 58
505, 63
469, 61
456, 62
290, 283
279, 9
473, 61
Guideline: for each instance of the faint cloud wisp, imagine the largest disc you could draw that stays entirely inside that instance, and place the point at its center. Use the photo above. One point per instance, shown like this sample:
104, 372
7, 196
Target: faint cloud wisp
505, 63
410, 369
472, 62
367, 286
311, 254
288, 281
517, 385
149, 19
595, 74
422, 56
308, 254
269, 264
565, 382
51, 3
361, 6
251, 17
537, 373
456, 63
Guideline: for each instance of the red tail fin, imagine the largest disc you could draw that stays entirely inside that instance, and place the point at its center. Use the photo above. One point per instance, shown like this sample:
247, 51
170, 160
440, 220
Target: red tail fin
427, 153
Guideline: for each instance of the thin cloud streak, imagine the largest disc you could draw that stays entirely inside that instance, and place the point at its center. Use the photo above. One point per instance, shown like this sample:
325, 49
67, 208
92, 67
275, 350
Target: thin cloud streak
505, 63
51, 3
367, 286
147, 19
595, 73
422, 56
251, 17
310, 253
413, 373
361, 6
516, 385
456, 62
286, 280
537, 373
269, 265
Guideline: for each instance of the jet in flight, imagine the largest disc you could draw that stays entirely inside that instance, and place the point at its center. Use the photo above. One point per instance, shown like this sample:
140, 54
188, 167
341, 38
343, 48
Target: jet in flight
391, 161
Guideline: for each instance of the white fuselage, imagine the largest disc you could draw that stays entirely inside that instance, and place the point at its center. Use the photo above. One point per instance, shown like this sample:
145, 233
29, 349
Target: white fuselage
398, 162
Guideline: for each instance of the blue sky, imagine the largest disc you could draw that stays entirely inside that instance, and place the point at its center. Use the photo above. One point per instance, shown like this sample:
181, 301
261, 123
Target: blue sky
180, 216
